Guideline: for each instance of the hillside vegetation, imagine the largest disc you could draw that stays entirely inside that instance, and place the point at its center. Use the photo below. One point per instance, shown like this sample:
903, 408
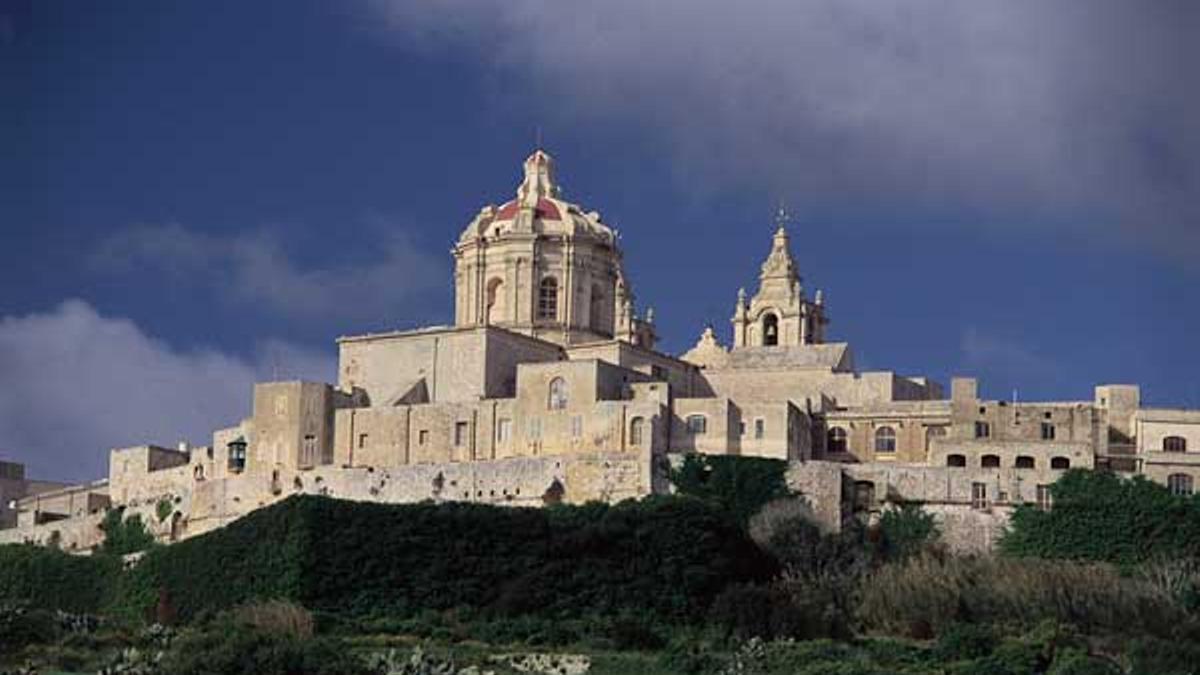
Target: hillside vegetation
731, 575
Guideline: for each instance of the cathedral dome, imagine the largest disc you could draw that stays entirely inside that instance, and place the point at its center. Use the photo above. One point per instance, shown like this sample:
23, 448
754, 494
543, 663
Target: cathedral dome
538, 209
540, 265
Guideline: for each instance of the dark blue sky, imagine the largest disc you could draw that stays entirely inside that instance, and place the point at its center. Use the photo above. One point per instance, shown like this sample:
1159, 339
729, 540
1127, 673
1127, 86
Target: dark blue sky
231, 185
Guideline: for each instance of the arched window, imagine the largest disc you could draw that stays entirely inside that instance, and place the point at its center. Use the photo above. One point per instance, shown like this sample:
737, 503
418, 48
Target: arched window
1025, 462
956, 460
1174, 444
558, 394
1060, 463
885, 439
836, 440
990, 461
770, 325
548, 299
495, 301
1179, 484
637, 431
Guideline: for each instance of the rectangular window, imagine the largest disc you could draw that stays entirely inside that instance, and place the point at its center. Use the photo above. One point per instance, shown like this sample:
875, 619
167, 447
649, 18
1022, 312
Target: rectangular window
1043, 497
979, 498
983, 430
577, 426
308, 454
534, 431
503, 430
697, 424
460, 433
362, 441
759, 428
1047, 431
422, 437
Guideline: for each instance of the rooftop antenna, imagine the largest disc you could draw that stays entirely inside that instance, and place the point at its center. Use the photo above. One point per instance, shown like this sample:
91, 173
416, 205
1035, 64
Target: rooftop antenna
537, 140
1014, 396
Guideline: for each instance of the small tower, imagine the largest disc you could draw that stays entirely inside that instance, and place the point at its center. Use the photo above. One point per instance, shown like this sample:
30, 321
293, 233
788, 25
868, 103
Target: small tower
779, 314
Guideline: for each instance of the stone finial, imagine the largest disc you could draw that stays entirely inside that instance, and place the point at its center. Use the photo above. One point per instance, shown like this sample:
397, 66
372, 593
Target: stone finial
539, 182
708, 350
779, 263
820, 297
742, 296
649, 315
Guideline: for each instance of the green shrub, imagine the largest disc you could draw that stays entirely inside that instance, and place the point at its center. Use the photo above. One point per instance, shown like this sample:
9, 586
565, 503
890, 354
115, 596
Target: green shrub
124, 535
164, 509
246, 651
962, 641
1075, 661
1153, 656
1101, 516
631, 632
905, 531
20, 627
691, 656
45, 578
740, 486
663, 556
802, 609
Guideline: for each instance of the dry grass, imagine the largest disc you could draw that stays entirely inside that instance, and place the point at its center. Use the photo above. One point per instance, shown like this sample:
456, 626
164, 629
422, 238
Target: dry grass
932, 592
778, 515
278, 617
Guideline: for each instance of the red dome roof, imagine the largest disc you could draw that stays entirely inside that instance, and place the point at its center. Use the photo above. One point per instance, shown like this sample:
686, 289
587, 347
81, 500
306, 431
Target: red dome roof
546, 210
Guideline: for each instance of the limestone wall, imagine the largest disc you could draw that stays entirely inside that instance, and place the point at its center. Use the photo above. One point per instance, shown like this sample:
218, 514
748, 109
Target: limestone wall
972, 506
456, 365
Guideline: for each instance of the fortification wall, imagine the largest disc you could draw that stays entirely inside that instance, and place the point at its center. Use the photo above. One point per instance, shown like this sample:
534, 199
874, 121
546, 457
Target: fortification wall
203, 505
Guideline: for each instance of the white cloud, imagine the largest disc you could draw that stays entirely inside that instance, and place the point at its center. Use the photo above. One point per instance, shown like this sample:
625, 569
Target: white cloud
1021, 110
77, 383
256, 270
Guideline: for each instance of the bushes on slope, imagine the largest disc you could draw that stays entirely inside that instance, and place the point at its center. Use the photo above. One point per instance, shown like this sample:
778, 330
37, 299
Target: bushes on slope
741, 486
667, 556
1101, 516
928, 593
46, 578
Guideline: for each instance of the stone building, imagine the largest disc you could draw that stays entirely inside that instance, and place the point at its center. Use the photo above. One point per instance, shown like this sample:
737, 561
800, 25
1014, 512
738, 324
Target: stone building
548, 388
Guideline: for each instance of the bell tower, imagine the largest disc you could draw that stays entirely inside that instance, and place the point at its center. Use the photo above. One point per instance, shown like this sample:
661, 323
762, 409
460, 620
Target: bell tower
779, 314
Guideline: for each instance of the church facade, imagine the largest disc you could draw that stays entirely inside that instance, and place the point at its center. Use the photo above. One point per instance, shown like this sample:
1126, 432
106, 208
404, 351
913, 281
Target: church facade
549, 388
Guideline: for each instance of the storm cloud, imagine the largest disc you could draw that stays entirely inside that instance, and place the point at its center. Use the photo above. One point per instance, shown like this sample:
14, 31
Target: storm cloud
255, 269
1081, 116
